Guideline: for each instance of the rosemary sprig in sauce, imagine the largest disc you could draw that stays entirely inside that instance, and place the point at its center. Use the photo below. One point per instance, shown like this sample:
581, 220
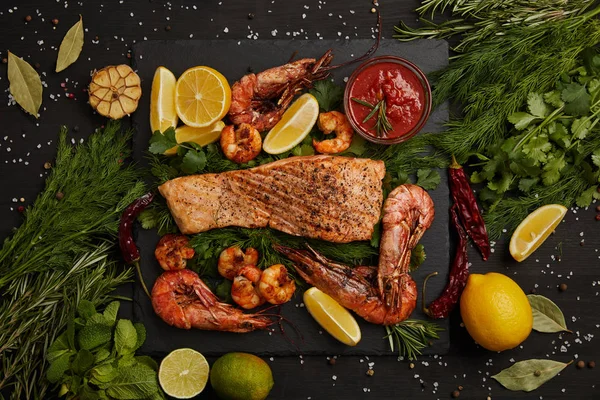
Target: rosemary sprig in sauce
382, 124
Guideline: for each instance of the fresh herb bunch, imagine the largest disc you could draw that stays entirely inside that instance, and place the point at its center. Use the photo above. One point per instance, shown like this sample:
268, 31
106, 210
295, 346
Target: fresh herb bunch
73, 223
95, 357
557, 133
411, 336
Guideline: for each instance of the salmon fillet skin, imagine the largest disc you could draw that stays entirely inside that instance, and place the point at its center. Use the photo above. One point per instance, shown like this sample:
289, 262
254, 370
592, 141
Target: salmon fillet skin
337, 199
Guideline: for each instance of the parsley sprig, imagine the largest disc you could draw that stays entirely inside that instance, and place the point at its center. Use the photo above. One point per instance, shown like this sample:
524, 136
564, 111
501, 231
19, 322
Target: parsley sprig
382, 124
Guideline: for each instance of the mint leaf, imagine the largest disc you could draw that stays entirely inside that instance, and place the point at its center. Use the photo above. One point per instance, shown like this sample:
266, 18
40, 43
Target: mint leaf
82, 361
58, 367
126, 361
102, 374
125, 337
141, 334
102, 355
328, 94
94, 335
428, 178
521, 120
193, 161
159, 143
86, 309
576, 98
554, 99
110, 312
581, 127
536, 105
148, 361
133, 383
525, 184
586, 197
59, 347
596, 157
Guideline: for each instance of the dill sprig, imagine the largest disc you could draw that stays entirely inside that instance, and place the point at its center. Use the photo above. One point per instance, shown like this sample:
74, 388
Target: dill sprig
411, 336
58, 256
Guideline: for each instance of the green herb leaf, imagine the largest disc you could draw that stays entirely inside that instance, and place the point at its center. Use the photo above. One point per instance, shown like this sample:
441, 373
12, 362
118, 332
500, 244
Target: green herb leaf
193, 161
82, 361
94, 335
25, 84
529, 375
576, 98
547, 317
537, 147
133, 383
110, 312
328, 94
376, 237
580, 128
417, 257
102, 355
59, 347
148, 361
86, 309
552, 170
525, 184
536, 105
596, 158
428, 179
126, 337
223, 290
554, 99
71, 46
521, 120
102, 374
159, 143
586, 197
58, 367
141, 334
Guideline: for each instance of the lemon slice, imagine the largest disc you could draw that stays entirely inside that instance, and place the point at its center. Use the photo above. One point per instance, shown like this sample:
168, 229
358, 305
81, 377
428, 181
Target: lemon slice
334, 318
183, 373
200, 136
163, 114
202, 96
294, 126
535, 229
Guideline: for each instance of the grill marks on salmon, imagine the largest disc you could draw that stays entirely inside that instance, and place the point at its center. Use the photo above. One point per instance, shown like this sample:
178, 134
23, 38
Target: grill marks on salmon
331, 198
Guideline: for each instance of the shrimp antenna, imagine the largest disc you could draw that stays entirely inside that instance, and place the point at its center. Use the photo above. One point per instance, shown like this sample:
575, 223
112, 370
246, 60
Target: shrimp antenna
369, 52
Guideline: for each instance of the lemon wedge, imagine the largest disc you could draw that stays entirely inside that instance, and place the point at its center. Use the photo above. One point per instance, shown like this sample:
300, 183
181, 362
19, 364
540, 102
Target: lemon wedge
202, 96
200, 136
295, 124
535, 229
334, 318
162, 101
183, 373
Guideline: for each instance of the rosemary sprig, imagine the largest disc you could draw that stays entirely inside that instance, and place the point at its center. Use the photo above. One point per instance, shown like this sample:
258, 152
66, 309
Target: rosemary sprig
412, 336
382, 124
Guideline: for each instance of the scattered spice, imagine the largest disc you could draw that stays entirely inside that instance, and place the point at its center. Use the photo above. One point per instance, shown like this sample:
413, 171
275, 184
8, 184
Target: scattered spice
55, 21
28, 18
47, 165
598, 208
460, 387
370, 372
168, 28
533, 291
128, 54
37, 65
21, 209
591, 364
580, 364
455, 394
59, 195
331, 361
373, 10
598, 217
250, 15
537, 372
22, 199
4, 60
411, 365
562, 287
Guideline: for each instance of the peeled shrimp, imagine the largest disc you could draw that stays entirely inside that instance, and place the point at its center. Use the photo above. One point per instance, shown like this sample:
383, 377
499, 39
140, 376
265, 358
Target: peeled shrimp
241, 144
233, 259
172, 251
337, 123
275, 285
182, 300
244, 290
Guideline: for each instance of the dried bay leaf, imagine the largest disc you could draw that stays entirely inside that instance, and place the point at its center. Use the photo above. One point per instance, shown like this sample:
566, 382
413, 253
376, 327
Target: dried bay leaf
547, 317
529, 375
25, 84
71, 46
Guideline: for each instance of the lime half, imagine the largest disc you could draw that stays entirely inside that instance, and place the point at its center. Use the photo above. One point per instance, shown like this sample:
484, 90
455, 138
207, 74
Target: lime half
183, 373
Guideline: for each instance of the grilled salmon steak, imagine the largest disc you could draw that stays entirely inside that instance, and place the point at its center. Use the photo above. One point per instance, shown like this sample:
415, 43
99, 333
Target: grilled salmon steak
337, 199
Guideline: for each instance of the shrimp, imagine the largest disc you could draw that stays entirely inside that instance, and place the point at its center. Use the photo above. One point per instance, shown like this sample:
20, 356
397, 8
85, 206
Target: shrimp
244, 291
240, 144
385, 294
182, 300
261, 99
336, 122
275, 285
172, 251
233, 259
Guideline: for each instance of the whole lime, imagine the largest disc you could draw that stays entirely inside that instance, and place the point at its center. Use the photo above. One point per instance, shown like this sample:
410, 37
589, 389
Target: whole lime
241, 376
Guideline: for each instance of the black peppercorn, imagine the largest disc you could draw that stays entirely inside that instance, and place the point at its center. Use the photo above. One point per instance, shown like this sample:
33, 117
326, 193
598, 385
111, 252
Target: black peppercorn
250, 15
591, 364
332, 361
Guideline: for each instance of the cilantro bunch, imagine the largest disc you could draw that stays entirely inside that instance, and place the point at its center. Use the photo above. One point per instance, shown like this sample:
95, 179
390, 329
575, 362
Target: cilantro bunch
95, 358
554, 137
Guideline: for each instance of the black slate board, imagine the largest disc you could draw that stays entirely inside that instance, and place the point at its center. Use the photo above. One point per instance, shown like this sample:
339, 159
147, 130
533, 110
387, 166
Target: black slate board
233, 58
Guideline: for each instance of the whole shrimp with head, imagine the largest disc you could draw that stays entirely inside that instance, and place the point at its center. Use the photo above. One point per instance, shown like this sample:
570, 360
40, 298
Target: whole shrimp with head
182, 300
386, 294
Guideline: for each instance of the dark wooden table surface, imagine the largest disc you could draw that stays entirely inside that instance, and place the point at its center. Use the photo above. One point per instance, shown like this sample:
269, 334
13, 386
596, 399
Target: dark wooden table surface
112, 26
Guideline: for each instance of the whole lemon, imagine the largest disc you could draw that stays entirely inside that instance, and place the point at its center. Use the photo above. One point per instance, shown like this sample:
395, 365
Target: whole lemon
241, 376
495, 311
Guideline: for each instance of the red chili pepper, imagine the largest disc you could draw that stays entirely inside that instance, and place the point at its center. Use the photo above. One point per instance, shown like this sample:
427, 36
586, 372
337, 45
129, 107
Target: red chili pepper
129, 249
468, 210
441, 307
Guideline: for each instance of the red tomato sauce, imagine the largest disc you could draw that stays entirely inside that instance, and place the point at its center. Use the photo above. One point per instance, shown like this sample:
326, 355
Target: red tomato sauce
403, 93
